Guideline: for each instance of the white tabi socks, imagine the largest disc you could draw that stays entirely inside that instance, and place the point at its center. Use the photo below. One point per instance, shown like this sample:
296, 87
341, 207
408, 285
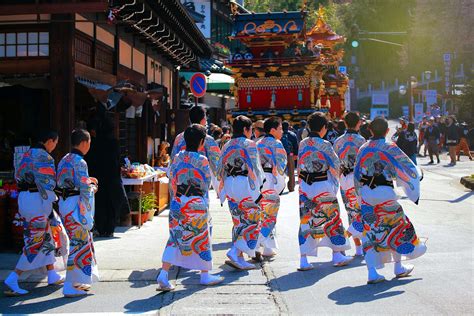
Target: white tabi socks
373, 276
232, 254
163, 282
338, 259
359, 251
402, 270
12, 282
209, 279
70, 291
244, 264
54, 278
304, 264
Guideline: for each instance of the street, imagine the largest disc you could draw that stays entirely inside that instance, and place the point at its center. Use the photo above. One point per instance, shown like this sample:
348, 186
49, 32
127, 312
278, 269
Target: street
441, 283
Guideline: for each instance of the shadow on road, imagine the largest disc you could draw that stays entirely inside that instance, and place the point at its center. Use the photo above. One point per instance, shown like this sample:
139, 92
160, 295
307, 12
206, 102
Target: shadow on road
367, 293
302, 279
187, 285
458, 200
221, 246
21, 305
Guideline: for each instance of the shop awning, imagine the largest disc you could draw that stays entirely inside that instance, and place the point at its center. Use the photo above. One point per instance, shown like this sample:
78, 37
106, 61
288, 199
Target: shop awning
215, 81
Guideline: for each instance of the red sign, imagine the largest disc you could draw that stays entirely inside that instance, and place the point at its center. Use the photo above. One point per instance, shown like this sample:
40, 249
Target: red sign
198, 85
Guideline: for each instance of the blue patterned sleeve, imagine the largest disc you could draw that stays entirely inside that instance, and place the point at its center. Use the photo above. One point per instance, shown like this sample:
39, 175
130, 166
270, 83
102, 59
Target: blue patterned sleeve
45, 174
82, 181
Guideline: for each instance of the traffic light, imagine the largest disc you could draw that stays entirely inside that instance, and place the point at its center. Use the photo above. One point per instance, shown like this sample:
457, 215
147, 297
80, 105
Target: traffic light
354, 36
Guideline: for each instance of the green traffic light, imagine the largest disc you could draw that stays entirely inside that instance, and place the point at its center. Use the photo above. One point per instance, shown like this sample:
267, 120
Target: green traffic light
355, 44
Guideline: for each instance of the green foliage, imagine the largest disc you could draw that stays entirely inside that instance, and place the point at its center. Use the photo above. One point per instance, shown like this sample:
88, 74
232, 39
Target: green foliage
466, 103
148, 202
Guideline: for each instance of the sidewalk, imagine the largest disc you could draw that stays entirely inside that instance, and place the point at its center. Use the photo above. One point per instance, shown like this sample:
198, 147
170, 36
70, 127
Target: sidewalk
129, 264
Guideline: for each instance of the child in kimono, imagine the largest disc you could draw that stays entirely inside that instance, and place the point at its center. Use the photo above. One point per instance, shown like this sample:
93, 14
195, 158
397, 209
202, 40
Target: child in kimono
346, 147
318, 172
211, 150
273, 158
76, 206
241, 177
36, 178
189, 245
388, 233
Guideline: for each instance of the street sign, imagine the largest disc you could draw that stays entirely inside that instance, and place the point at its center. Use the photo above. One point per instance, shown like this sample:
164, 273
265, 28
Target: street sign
198, 85
447, 57
430, 97
405, 110
343, 69
418, 112
380, 98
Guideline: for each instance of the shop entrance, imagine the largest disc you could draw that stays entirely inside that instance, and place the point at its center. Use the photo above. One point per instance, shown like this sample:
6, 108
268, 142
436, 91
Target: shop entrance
23, 112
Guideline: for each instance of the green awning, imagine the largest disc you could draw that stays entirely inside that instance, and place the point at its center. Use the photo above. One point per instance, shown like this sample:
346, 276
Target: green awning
215, 81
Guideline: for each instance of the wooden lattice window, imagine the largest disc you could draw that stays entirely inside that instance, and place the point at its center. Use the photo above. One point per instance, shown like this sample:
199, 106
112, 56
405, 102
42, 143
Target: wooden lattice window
104, 59
83, 50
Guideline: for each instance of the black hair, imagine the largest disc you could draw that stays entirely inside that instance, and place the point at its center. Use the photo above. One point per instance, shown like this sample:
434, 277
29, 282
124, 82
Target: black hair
78, 136
303, 123
196, 114
226, 129
411, 127
240, 123
47, 134
317, 121
271, 122
193, 135
285, 125
378, 126
351, 119
217, 133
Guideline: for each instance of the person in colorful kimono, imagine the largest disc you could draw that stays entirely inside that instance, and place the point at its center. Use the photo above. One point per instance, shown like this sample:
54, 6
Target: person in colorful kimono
241, 178
318, 172
347, 147
388, 233
76, 205
36, 178
189, 245
211, 150
273, 158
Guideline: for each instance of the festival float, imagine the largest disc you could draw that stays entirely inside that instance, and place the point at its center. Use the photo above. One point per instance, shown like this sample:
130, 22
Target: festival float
284, 69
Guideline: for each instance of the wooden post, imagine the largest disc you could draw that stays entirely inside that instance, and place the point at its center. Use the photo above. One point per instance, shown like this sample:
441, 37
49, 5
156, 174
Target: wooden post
62, 79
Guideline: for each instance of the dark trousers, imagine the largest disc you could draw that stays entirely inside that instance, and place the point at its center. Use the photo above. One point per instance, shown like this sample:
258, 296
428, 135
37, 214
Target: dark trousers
291, 173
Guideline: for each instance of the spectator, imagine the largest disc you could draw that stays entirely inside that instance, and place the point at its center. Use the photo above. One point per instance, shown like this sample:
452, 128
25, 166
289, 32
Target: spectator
432, 136
407, 141
452, 138
217, 133
258, 130
421, 137
331, 134
302, 132
463, 142
289, 139
364, 129
341, 127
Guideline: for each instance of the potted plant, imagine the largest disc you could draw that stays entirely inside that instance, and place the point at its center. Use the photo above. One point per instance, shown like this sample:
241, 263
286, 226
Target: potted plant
148, 205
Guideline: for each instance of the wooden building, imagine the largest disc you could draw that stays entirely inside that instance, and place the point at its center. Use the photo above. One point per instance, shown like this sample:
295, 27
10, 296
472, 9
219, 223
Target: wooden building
63, 61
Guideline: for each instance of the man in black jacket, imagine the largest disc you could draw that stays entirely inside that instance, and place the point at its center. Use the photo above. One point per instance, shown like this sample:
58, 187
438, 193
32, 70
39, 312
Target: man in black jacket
290, 142
432, 136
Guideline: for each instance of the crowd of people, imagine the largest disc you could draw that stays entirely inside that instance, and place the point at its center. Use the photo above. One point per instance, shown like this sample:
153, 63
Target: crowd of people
247, 164
435, 135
